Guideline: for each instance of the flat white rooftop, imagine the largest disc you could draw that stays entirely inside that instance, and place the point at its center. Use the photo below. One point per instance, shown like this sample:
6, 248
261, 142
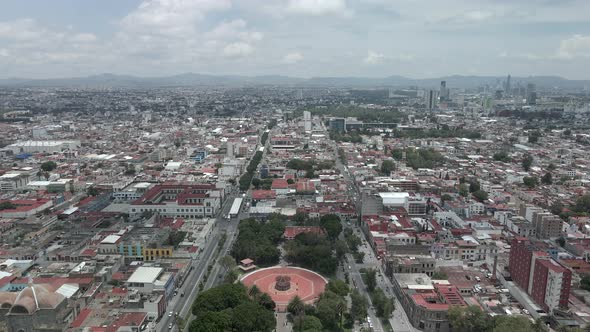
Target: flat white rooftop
111, 239
145, 275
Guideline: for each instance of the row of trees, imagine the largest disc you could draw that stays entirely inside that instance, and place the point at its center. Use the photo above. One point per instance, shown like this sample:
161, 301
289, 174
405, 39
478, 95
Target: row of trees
233, 307
363, 114
443, 132
330, 312
258, 240
252, 166
472, 319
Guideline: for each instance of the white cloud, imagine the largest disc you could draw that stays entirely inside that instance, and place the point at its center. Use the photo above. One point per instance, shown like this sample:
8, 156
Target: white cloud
374, 58
4, 52
173, 18
319, 7
292, 58
575, 46
83, 38
237, 50
236, 29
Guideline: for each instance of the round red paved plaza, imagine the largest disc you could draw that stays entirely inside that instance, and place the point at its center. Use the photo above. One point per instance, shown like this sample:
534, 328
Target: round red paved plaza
305, 283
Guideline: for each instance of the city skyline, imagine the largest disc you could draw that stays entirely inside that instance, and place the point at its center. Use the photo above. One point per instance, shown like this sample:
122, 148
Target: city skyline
299, 38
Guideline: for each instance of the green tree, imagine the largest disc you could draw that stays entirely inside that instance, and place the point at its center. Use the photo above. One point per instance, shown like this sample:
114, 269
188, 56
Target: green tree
312, 251
387, 166
228, 262
502, 156
295, 306
551, 167
527, 161
480, 195
308, 324
92, 191
547, 178
503, 323
446, 198
530, 181
211, 321
463, 190
250, 317
371, 279
256, 183
397, 154
467, 319
299, 218
582, 204
474, 186
338, 286
383, 305
7, 205
266, 301
359, 306
331, 223
220, 298
341, 248
48, 166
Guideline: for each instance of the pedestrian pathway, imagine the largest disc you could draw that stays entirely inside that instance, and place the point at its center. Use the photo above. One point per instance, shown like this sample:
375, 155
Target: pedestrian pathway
283, 324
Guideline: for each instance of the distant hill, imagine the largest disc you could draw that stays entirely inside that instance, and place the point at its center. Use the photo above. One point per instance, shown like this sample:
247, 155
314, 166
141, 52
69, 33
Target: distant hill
192, 79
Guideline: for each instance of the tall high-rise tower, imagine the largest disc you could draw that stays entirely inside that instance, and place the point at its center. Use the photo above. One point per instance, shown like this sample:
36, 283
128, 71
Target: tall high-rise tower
307, 121
431, 96
444, 91
508, 85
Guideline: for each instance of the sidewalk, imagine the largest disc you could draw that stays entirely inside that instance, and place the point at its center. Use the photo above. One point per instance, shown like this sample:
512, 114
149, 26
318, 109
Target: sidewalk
282, 324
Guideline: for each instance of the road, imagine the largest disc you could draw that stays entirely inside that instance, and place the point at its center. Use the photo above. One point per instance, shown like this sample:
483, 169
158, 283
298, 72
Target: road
182, 304
358, 282
399, 321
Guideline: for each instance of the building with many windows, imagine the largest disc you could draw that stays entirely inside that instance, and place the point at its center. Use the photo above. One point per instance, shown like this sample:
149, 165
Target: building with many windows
533, 270
179, 200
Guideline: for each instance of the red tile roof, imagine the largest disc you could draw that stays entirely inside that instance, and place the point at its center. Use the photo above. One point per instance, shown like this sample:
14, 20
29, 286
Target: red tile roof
279, 184
263, 194
293, 231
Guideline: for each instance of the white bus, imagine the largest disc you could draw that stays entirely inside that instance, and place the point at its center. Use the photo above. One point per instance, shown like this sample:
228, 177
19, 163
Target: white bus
235, 207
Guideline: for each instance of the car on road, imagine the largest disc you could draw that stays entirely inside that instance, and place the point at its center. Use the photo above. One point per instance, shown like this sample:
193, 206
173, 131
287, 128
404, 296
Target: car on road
170, 314
170, 326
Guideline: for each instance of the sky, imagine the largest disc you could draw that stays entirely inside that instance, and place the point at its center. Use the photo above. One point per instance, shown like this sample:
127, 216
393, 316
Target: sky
302, 38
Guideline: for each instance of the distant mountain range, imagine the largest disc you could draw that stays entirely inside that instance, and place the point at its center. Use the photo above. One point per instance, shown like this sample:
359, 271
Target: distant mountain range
191, 79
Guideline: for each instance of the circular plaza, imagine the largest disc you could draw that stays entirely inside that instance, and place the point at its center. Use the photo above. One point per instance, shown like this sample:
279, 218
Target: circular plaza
283, 283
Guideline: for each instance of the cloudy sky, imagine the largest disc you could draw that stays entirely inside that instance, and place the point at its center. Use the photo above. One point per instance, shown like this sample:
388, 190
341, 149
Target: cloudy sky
374, 38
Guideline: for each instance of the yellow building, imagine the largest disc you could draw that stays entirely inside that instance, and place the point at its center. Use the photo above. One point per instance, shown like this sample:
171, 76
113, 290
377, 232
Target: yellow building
150, 254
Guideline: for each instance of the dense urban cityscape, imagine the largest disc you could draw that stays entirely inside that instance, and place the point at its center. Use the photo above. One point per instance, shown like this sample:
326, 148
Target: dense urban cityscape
270, 207
294, 166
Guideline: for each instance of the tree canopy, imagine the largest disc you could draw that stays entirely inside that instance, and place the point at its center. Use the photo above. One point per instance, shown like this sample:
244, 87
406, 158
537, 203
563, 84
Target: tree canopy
387, 166
258, 240
530, 181
48, 166
312, 251
527, 161
502, 156
332, 225
229, 307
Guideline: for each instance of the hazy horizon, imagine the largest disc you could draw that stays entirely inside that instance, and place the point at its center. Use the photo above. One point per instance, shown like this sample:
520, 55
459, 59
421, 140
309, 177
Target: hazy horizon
295, 38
